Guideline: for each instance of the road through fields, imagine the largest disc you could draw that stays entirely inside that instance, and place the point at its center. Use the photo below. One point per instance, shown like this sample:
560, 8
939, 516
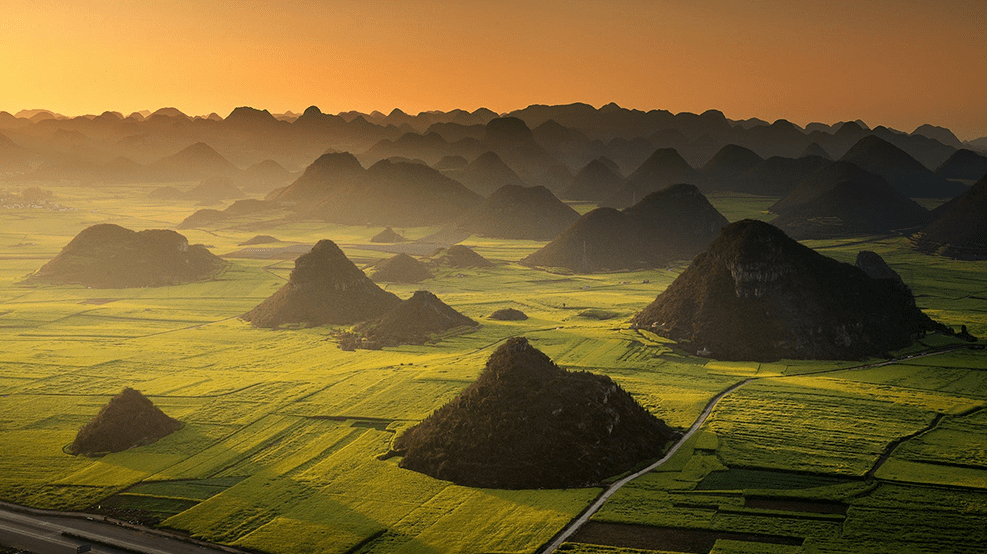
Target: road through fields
581, 520
48, 533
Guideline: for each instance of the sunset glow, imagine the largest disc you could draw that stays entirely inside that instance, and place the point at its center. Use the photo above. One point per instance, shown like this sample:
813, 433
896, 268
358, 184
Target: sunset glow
895, 63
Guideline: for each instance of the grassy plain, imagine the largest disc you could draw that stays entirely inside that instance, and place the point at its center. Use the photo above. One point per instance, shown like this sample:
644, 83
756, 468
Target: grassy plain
283, 429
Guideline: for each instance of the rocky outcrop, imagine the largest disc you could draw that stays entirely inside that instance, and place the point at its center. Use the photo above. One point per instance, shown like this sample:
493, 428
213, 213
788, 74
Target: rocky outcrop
756, 294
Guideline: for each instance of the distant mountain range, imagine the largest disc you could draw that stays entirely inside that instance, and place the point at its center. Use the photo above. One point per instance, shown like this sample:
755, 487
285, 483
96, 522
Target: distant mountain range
550, 146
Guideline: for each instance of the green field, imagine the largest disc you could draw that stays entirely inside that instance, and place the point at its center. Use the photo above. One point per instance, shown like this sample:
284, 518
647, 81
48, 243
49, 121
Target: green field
283, 430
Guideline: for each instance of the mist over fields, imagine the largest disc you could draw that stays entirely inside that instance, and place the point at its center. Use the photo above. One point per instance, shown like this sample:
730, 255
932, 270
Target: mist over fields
460, 331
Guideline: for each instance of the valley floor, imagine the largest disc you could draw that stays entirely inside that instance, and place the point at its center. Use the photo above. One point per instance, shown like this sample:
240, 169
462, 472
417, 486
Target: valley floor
283, 429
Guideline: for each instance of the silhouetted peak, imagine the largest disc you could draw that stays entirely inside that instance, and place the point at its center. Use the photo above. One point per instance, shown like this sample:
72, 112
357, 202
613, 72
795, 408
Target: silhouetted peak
312, 111
674, 198
509, 130
850, 128
596, 168
734, 156
246, 114
201, 149
335, 162
488, 159
872, 150
169, 112
664, 158
814, 149
451, 162
784, 124
713, 115
940, 134
552, 127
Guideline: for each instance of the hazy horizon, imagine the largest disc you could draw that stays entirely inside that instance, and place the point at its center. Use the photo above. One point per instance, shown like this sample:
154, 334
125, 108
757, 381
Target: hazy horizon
898, 63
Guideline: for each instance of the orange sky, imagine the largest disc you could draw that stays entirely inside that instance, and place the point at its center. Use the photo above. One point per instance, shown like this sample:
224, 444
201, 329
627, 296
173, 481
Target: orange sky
898, 63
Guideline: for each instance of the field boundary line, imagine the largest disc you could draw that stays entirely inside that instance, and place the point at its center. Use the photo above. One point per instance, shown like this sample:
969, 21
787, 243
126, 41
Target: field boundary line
580, 520
583, 518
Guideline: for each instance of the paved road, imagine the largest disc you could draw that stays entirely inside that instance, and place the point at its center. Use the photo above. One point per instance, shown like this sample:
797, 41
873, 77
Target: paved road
55, 534
581, 520
595, 506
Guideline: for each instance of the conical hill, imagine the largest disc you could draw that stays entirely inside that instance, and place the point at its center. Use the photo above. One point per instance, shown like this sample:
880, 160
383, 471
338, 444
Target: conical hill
844, 200
757, 294
486, 174
412, 321
595, 182
901, 170
458, 256
728, 164
517, 212
964, 164
110, 256
400, 268
959, 229
324, 288
675, 223
331, 172
526, 423
128, 420
388, 235
663, 168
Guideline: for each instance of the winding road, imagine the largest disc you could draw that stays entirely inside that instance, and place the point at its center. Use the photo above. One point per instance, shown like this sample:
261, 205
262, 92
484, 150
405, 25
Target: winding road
581, 520
48, 532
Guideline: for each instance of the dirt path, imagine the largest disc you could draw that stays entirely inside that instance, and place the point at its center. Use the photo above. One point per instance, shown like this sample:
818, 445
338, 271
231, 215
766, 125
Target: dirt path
584, 517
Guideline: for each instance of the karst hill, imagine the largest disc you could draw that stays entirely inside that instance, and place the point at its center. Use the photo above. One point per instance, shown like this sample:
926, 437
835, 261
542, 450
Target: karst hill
902, 171
389, 236
517, 212
597, 181
325, 287
400, 268
413, 321
526, 423
110, 256
458, 256
845, 200
756, 294
329, 173
486, 174
128, 420
538, 145
675, 223
959, 227
964, 164
398, 193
